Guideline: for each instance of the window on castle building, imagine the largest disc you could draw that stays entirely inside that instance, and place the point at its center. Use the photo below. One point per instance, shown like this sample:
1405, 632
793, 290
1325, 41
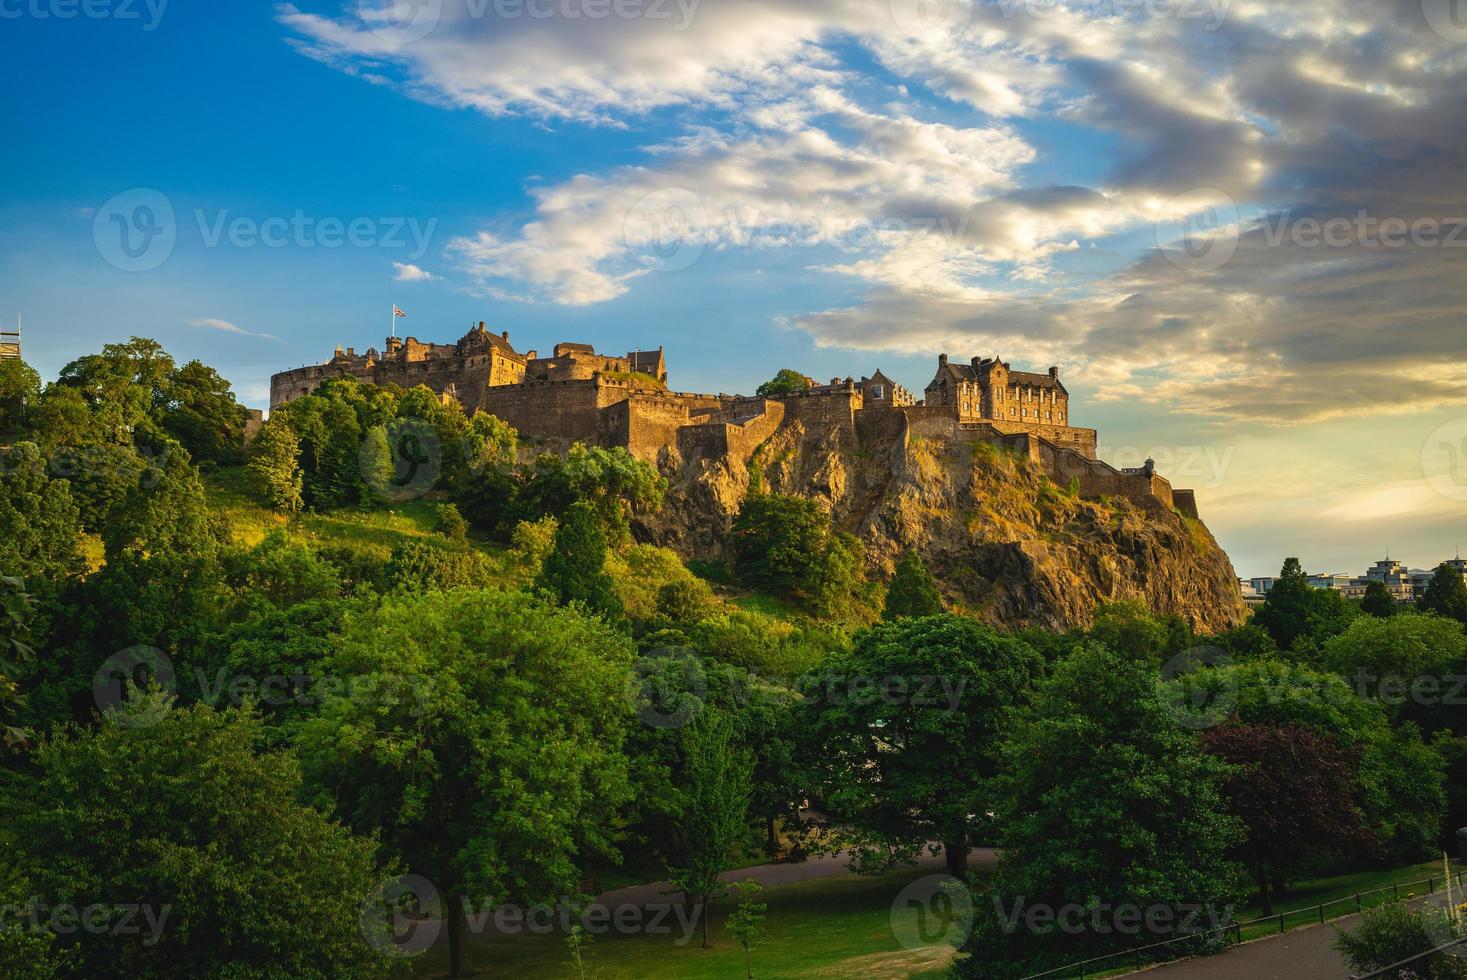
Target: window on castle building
878, 391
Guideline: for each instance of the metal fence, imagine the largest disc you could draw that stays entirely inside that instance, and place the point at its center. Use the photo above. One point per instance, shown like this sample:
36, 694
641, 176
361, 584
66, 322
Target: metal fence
1152, 953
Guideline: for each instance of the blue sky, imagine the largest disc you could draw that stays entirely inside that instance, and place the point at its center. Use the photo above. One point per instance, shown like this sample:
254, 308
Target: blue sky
841, 185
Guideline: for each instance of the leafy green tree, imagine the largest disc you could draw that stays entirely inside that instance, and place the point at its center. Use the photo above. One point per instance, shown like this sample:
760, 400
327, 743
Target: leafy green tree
16, 655
615, 483
575, 569
61, 417
909, 721
274, 467
171, 810
1294, 790
101, 476
745, 922
1128, 627
199, 409
835, 577
166, 514
1446, 594
1296, 613
281, 573
451, 523
1400, 779
39, 522
716, 784
775, 539
447, 746
686, 601
20, 386
1107, 799
911, 592
1378, 601
378, 468
786, 381
424, 566
1406, 662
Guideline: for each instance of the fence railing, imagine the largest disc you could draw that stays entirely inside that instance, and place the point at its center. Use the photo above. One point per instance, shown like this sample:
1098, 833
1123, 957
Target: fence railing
1137, 957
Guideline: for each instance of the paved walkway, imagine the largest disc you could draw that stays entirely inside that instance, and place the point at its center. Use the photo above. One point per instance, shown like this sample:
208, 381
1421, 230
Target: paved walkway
769, 875
1301, 954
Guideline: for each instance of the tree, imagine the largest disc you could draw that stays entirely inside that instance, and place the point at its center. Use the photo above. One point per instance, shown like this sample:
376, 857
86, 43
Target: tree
1295, 612
746, 919
378, 468
912, 592
1446, 594
274, 467
20, 386
909, 721
16, 655
40, 525
451, 523
1399, 778
786, 382
1107, 802
715, 784
1128, 627
615, 483
1294, 791
1405, 662
1378, 601
449, 746
575, 569
775, 539
199, 409
423, 566
166, 514
225, 873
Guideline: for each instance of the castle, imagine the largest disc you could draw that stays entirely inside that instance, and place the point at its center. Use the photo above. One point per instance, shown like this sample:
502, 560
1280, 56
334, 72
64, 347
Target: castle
578, 395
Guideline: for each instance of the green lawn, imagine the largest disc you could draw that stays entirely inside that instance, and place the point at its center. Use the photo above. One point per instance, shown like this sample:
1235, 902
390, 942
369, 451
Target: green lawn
838, 926
373, 529
1339, 892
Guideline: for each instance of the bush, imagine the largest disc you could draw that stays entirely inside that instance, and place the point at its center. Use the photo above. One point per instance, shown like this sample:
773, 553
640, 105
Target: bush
1391, 933
451, 523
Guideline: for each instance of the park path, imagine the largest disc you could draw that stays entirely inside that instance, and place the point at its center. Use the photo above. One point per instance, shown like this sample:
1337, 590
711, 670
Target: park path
1302, 954
980, 859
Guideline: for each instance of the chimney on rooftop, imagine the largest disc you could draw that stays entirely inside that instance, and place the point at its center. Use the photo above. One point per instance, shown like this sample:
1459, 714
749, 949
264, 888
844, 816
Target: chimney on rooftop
942, 360
1054, 373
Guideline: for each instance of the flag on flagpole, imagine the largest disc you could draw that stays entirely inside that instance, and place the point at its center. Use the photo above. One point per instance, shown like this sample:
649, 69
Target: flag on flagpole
396, 311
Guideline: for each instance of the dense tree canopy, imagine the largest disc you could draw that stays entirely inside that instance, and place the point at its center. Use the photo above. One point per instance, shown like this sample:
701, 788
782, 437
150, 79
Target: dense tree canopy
482, 736
908, 723
1108, 801
192, 847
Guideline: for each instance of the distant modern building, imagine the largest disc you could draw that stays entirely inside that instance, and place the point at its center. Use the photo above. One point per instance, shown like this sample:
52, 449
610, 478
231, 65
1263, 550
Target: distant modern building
1404, 584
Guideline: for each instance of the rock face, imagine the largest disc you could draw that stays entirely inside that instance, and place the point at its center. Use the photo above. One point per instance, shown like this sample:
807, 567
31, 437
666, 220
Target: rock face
1003, 541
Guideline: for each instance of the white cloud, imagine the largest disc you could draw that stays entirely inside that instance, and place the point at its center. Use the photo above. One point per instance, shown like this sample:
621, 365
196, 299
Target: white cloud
227, 327
965, 184
407, 272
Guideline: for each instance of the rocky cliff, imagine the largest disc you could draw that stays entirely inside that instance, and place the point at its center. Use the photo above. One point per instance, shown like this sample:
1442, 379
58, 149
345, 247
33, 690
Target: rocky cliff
1002, 540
